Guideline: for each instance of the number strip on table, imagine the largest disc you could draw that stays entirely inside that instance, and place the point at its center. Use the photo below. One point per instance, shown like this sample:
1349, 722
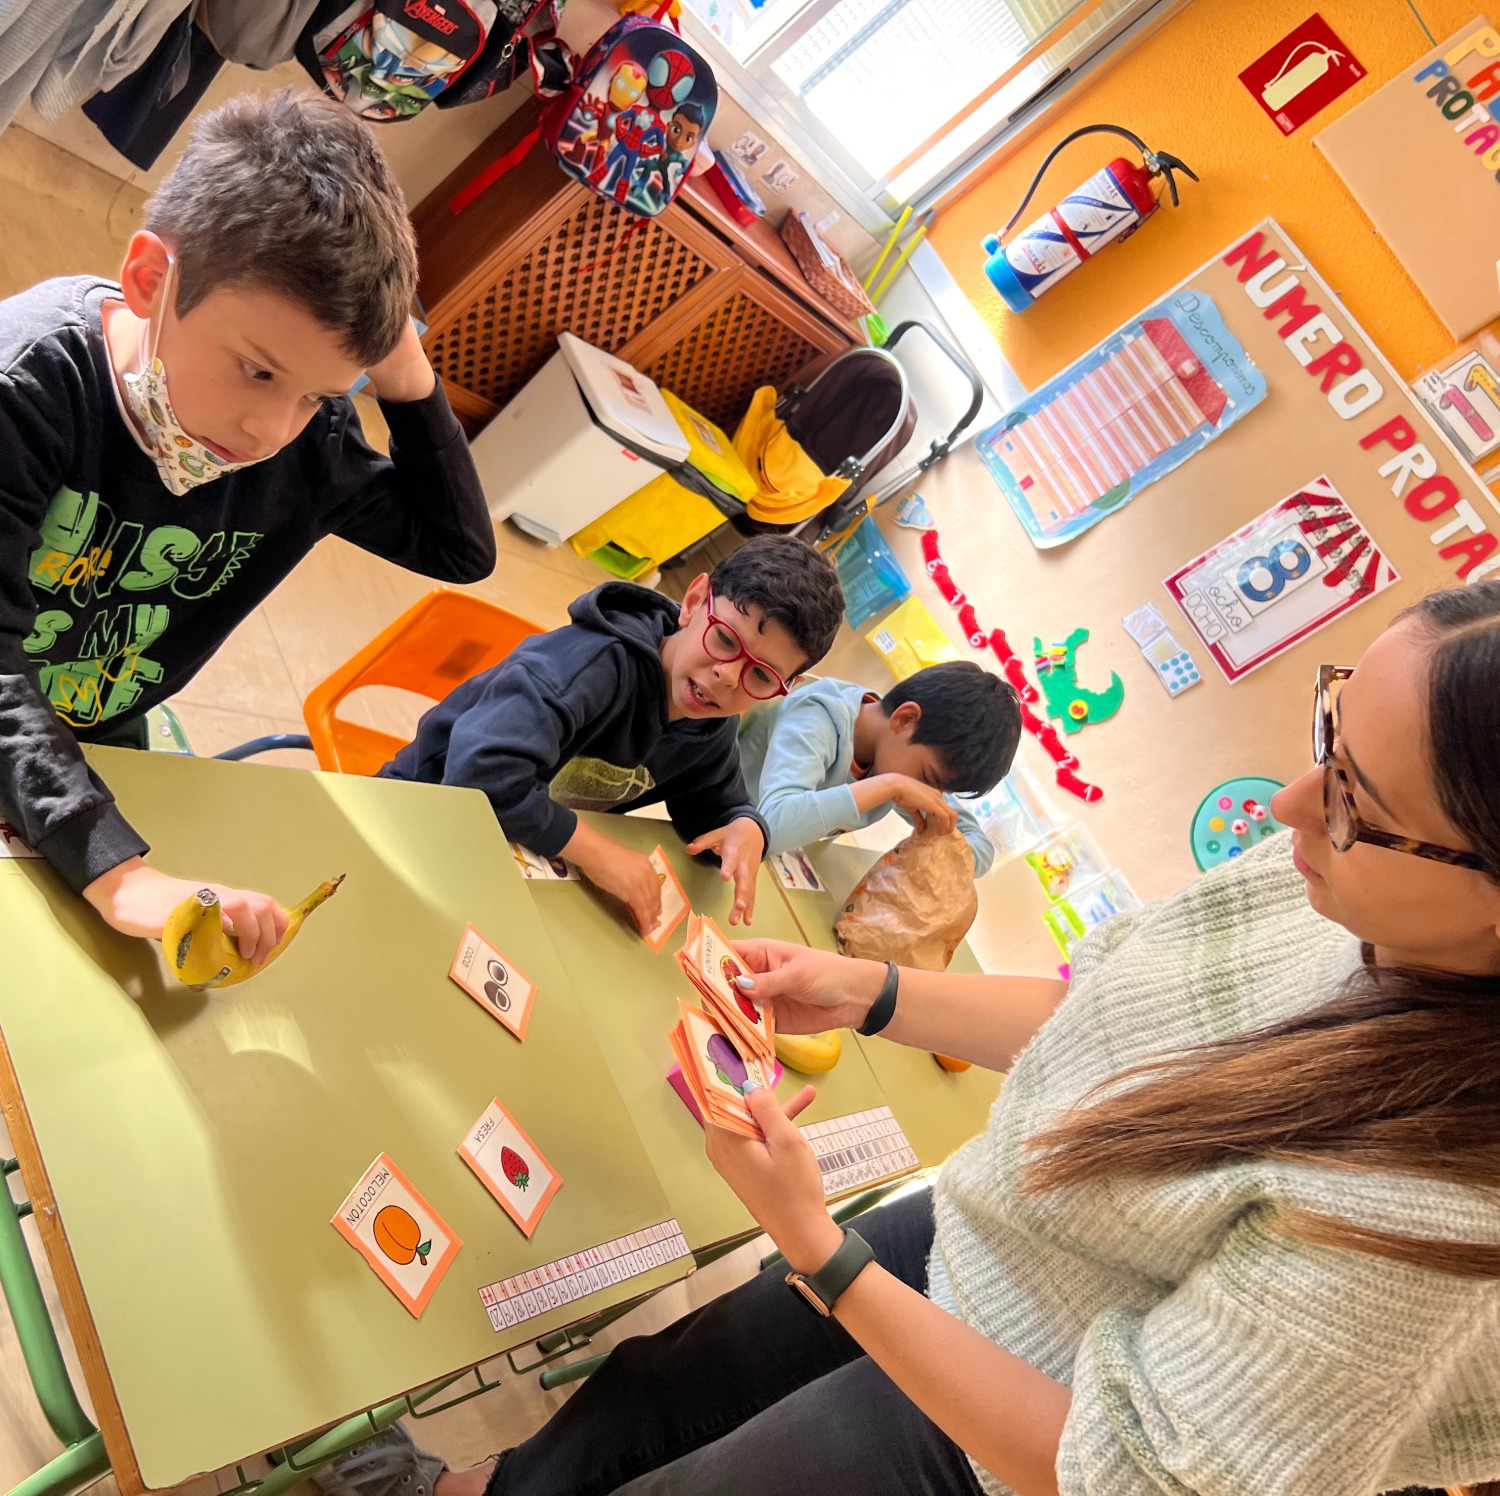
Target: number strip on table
859, 1149
525, 1296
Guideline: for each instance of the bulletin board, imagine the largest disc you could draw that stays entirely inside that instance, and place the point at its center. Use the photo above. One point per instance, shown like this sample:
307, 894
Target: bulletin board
1389, 501
1426, 139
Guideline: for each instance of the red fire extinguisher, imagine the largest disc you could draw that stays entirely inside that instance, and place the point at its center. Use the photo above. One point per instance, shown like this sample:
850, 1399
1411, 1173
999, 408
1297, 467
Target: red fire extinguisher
1107, 208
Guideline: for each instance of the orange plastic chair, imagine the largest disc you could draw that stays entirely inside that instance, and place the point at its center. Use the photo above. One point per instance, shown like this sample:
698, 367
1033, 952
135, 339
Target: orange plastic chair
437, 644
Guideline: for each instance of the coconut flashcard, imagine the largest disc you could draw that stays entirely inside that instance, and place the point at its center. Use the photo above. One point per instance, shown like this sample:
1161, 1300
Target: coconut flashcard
398, 1233
510, 1166
494, 981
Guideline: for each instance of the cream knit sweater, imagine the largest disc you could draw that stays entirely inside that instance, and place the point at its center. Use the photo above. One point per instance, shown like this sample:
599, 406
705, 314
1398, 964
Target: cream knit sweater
1210, 1355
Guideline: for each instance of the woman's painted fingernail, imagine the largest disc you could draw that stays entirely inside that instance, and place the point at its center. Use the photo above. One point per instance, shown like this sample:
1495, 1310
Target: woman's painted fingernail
751, 1084
745, 984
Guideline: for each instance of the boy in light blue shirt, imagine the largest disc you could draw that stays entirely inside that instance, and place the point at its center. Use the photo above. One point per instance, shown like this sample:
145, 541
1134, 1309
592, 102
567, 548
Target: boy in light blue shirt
832, 755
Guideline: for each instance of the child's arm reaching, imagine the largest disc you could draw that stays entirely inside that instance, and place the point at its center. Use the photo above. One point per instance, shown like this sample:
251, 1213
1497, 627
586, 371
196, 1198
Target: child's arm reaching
923, 806
803, 747
712, 813
510, 737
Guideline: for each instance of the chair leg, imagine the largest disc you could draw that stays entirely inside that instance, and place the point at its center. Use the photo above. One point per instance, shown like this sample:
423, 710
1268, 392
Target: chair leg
83, 1458
574, 1371
266, 744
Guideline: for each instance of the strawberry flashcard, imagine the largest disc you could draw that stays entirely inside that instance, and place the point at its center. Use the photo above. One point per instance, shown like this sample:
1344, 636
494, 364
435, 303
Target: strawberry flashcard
510, 1166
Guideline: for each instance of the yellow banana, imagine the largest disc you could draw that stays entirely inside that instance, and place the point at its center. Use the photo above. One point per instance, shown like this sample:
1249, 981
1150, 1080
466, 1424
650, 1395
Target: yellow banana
203, 954
812, 1054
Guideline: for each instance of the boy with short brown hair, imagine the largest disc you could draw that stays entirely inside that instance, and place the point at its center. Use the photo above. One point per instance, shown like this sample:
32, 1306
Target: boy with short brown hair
139, 526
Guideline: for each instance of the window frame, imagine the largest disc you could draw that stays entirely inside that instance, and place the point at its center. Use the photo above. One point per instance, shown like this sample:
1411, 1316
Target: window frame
807, 143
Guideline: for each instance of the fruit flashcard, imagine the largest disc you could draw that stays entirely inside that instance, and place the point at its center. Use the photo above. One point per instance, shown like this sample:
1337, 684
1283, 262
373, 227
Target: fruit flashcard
550, 869
398, 1233
510, 1166
716, 1065
494, 981
674, 902
712, 965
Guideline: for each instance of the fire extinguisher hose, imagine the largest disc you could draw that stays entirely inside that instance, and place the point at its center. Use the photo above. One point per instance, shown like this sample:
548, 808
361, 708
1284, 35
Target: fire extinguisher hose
1157, 162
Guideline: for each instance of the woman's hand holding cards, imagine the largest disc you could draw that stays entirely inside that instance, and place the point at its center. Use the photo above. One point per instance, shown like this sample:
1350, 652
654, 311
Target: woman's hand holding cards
777, 1178
809, 990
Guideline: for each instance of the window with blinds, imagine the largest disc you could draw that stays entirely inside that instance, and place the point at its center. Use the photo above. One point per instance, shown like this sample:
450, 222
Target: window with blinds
902, 95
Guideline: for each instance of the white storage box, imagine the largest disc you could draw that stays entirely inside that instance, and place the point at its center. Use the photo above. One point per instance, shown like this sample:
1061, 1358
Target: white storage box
587, 431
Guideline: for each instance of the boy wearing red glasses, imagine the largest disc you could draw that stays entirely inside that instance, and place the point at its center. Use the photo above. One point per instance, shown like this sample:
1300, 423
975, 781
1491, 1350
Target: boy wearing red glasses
637, 701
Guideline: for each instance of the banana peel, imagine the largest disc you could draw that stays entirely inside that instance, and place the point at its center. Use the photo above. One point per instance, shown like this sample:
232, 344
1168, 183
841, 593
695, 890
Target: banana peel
811, 1054
203, 955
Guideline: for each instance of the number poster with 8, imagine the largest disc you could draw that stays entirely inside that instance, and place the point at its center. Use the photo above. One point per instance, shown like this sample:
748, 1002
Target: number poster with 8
1280, 578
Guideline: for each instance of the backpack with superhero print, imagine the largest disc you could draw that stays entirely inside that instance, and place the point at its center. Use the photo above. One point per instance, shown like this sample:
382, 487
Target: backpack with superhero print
388, 60
524, 38
640, 103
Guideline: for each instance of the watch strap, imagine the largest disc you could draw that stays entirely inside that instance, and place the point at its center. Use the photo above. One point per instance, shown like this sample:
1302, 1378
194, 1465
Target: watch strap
884, 1007
853, 1256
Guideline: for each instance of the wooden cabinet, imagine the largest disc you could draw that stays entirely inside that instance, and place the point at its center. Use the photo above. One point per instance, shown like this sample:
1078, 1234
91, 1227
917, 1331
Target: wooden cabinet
708, 310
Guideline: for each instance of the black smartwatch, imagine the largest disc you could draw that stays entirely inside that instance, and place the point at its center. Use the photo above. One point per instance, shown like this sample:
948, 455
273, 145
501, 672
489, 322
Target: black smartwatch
821, 1289
884, 1006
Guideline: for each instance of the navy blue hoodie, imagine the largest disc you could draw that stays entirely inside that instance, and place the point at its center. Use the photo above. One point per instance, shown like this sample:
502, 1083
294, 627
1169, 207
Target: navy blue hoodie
577, 720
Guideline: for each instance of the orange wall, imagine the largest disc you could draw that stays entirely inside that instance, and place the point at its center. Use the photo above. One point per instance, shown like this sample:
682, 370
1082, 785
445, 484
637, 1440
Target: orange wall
1180, 92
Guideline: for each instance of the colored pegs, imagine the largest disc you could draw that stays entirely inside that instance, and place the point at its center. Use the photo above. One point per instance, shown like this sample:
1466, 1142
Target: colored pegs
1069, 781
1241, 828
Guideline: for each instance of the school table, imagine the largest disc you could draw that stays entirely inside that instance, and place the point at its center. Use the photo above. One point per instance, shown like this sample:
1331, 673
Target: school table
631, 994
184, 1153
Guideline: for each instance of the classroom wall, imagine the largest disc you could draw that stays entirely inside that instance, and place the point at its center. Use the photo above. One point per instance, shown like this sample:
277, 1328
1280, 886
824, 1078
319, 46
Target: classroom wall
1180, 92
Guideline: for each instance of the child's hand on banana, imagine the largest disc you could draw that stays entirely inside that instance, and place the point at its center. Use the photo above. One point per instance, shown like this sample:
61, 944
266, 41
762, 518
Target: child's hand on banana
137, 899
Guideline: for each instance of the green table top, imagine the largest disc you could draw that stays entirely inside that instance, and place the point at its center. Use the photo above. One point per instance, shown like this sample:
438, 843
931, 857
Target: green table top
198, 1145
938, 1110
630, 995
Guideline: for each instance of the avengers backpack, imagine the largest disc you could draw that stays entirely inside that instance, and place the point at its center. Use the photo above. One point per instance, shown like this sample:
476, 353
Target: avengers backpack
389, 60
640, 103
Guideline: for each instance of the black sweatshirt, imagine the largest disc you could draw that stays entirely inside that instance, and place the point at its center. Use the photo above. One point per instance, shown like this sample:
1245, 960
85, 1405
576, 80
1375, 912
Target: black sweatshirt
577, 719
114, 592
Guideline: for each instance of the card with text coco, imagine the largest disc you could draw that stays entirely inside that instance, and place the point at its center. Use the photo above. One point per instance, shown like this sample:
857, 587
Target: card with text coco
398, 1233
494, 981
510, 1166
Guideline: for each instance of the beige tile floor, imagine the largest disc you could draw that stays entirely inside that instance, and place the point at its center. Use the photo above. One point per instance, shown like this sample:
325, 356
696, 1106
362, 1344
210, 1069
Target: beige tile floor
67, 217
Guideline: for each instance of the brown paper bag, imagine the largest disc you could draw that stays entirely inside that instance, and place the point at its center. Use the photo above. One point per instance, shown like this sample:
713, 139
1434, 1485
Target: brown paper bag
914, 906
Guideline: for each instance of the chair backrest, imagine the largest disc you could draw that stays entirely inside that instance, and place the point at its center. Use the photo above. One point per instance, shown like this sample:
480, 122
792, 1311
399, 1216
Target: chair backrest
437, 644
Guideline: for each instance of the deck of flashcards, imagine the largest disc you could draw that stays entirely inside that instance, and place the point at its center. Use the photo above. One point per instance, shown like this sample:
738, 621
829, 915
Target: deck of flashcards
716, 1065
494, 981
674, 902
398, 1233
510, 1166
712, 964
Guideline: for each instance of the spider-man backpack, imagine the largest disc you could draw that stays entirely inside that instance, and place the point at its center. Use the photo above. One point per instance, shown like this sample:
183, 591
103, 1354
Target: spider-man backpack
630, 123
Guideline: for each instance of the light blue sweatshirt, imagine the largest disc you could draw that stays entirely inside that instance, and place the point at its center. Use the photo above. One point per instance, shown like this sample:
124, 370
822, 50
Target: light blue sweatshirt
797, 754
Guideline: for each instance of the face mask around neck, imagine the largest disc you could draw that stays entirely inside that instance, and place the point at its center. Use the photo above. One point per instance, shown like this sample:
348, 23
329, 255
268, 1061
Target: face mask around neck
182, 461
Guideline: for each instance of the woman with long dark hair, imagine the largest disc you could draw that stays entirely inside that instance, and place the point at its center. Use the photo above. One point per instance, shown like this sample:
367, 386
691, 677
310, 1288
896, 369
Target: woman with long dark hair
1234, 1226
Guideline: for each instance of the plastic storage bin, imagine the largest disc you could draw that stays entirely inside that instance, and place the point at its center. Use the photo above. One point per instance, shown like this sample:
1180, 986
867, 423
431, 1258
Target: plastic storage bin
676, 509
586, 431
